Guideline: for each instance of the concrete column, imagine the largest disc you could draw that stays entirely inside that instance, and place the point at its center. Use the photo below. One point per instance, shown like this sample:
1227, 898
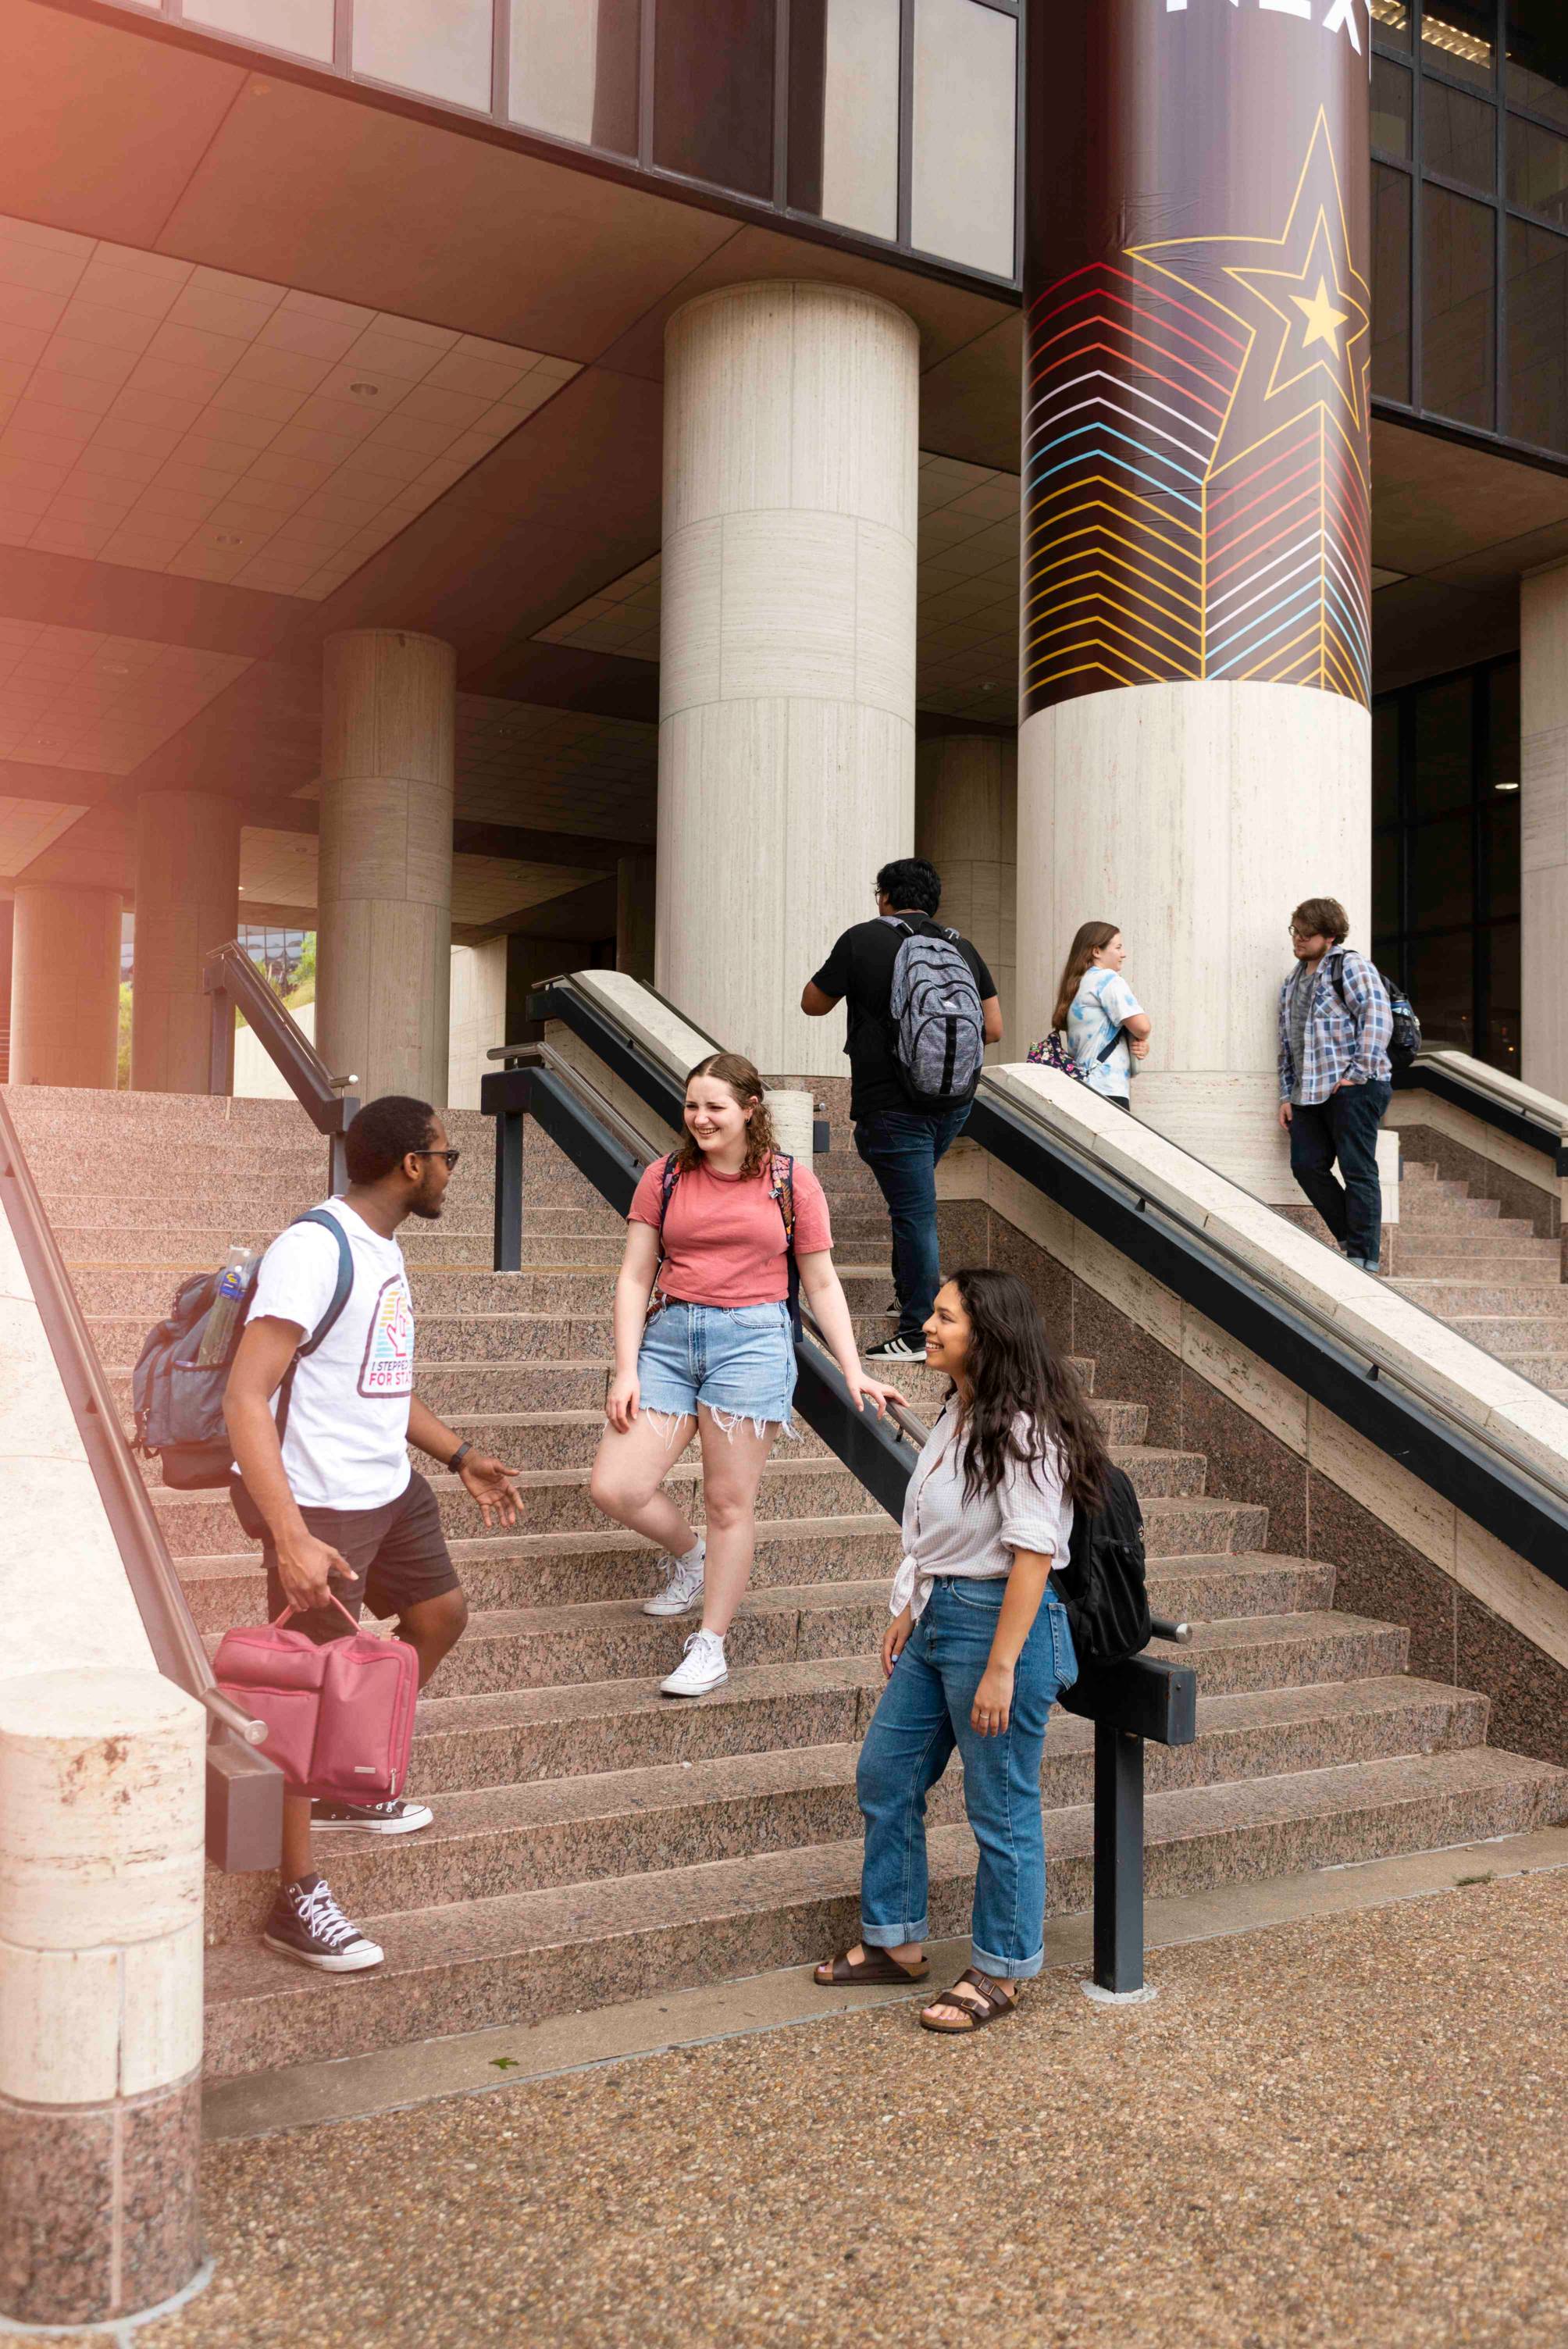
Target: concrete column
787, 678
1194, 750
384, 895
101, 1796
966, 824
65, 985
187, 902
1543, 827
636, 884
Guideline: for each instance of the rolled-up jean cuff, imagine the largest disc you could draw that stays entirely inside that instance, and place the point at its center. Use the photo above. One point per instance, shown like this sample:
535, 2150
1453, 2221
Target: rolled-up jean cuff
1006, 1969
893, 1937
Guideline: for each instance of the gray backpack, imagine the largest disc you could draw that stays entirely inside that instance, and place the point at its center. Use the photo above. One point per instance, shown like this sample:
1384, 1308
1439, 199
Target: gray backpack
938, 1023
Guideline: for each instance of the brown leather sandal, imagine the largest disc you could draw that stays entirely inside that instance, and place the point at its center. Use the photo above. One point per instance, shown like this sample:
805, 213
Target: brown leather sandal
878, 1966
993, 2003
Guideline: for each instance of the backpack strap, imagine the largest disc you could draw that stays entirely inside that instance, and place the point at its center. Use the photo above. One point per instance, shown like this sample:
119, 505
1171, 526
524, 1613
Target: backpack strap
782, 1186
667, 1181
342, 1289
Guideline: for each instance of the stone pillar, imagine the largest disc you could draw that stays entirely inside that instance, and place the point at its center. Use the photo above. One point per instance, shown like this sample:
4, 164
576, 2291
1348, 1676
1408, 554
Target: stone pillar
966, 824
65, 985
187, 902
101, 1834
1194, 750
1543, 827
384, 895
637, 883
787, 677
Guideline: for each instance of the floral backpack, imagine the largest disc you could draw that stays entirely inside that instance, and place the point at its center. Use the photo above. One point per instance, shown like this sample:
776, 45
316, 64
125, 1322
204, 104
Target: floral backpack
1053, 1053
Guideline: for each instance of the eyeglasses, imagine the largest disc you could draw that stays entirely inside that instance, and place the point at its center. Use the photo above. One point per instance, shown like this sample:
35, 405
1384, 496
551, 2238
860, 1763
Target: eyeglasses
451, 1156
1305, 935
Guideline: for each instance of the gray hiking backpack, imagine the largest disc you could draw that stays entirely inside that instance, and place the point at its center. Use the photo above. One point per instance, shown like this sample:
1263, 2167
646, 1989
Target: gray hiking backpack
938, 1023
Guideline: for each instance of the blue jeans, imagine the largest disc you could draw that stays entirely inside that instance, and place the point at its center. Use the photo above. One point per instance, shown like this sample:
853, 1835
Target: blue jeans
925, 1714
1344, 1126
737, 1361
901, 1147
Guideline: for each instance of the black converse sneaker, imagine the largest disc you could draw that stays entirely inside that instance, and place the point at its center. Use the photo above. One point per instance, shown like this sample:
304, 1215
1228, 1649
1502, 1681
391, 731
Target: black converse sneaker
372, 1818
306, 1923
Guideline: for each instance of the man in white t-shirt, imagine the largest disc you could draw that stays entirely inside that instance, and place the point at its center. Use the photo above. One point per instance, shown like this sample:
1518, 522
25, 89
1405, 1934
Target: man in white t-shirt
339, 1509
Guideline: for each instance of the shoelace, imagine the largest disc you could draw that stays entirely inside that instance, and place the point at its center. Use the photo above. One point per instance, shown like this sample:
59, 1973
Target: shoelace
322, 1919
710, 1639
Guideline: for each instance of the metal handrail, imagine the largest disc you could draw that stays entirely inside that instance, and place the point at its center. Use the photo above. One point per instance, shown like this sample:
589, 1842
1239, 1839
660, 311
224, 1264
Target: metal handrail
1486, 1094
233, 982
161, 1601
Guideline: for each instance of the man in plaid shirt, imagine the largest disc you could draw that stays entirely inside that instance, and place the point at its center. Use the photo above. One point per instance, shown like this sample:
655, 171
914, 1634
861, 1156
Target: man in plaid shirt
1334, 1079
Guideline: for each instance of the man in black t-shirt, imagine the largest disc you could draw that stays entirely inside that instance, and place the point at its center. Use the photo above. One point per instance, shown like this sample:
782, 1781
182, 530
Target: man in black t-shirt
899, 1142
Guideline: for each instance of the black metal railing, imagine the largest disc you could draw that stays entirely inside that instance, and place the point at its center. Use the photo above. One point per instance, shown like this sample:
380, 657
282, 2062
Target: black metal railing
234, 984
1147, 1698
244, 1791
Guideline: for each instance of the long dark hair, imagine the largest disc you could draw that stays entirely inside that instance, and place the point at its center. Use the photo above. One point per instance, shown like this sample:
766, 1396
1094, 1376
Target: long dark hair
1014, 1370
1092, 936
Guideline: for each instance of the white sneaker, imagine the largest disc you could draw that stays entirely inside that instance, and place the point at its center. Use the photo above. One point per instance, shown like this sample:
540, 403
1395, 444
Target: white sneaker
701, 1668
682, 1586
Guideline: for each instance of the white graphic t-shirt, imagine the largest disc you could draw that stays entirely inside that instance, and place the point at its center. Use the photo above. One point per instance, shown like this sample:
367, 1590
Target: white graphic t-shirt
345, 1445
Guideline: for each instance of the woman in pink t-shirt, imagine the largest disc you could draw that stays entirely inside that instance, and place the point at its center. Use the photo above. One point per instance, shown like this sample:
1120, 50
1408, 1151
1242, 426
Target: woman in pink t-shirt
703, 1341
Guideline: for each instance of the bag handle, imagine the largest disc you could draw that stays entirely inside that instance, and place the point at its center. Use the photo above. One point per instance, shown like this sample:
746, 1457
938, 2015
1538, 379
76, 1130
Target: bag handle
335, 1600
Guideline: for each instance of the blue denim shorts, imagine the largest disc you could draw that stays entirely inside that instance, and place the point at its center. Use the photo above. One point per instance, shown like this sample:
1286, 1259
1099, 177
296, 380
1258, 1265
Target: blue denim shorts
737, 1360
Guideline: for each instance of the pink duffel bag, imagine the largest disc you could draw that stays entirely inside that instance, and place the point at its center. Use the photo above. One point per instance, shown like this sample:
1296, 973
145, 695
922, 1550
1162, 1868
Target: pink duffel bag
340, 1716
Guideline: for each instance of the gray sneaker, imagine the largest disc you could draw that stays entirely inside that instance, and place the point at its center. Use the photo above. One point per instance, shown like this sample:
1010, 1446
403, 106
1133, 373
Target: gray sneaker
682, 1586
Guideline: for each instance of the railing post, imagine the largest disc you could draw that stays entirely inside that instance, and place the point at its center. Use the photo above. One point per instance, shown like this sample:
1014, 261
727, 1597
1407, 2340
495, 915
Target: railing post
221, 1034
1118, 1866
503, 1095
337, 1160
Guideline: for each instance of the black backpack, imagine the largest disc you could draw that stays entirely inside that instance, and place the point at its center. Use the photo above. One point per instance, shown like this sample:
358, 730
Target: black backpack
179, 1401
781, 1187
1102, 1584
1406, 1041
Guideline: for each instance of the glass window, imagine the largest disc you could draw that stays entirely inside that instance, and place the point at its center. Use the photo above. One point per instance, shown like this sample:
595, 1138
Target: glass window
1458, 302
302, 27
1499, 954
1391, 23
1445, 723
1386, 763
440, 48
1385, 881
843, 111
712, 92
574, 70
1390, 283
1442, 874
1458, 36
1390, 107
965, 133
1502, 724
1440, 976
1537, 336
1537, 73
1537, 169
1459, 135
1501, 832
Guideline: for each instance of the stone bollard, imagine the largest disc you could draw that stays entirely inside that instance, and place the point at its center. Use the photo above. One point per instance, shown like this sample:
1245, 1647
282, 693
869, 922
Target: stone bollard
791, 1112
101, 1856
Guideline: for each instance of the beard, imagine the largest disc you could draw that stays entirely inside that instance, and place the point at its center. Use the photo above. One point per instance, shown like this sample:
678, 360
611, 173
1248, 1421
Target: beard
429, 1210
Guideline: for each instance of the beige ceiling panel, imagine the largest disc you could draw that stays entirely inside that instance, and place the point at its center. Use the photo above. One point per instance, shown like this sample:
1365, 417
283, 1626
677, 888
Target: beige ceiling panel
28, 826
277, 868
73, 697
487, 888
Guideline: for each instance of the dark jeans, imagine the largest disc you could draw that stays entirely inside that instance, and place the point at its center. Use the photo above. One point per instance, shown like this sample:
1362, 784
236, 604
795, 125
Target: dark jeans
901, 1147
1344, 1127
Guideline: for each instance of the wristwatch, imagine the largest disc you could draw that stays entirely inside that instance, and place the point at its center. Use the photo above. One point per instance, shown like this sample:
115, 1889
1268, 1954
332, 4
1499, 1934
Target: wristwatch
457, 1458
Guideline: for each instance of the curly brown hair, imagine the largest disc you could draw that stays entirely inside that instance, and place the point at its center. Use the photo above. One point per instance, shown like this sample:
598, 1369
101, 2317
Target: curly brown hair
734, 1069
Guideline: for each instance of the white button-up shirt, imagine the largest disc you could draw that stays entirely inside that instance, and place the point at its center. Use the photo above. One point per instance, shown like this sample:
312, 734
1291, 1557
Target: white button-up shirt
945, 1532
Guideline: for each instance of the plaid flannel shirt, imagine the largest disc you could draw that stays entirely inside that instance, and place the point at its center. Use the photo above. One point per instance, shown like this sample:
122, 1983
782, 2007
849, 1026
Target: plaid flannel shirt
1338, 1042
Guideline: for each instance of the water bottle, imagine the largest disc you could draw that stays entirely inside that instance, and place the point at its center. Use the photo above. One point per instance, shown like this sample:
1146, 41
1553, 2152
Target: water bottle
218, 1335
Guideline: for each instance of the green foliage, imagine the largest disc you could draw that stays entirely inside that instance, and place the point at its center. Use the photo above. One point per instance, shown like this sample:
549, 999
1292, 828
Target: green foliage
122, 1063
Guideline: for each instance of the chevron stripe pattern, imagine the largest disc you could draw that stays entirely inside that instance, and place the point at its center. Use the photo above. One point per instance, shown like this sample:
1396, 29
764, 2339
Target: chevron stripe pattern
1153, 549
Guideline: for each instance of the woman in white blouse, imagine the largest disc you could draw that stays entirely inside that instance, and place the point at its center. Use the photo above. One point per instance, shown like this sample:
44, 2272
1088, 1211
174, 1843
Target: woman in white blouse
978, 1647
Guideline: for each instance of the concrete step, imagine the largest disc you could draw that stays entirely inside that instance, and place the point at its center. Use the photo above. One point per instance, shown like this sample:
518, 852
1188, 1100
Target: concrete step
544, 1647
455, 1388
528, 1955
557, 1500
1504, 1264
130, 1290
1508, 1335
525, 1836
572, 1240
1457, 1300
1429, 1211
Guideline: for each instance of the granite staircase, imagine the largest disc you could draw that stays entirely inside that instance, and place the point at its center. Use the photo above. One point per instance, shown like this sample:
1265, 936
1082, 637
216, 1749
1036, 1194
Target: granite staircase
594, 1841
1486, 1274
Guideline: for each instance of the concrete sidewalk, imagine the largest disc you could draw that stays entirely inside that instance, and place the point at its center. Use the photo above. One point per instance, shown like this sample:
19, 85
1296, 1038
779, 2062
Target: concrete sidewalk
1348, 2129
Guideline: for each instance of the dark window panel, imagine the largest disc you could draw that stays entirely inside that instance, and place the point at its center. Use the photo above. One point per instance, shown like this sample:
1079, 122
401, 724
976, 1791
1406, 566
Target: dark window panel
1443, 776
1537, 72
1459, 39
574, 70
1385, 763
1498, 951
1502, 724
1385, 881
1537, 337
1458, 136
1457, 309
1391, 108
1442, 874
712, 92
1390, 283
1501, 830
1537, 170
1391, 23
1440, 976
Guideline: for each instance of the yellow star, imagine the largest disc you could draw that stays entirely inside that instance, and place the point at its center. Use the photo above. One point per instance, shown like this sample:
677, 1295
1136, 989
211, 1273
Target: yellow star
1323, 319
